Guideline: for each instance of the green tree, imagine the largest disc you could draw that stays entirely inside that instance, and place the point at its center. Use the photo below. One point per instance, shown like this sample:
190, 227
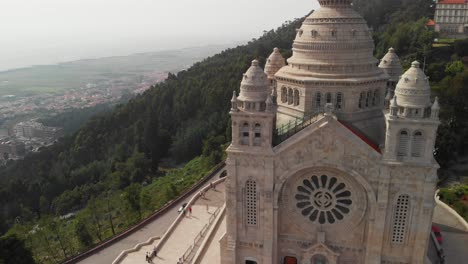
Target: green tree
133, 197
82, 233
13, 250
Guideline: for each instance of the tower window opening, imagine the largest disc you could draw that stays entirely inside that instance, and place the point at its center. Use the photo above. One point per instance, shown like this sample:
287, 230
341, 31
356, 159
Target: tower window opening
376, 98
368, 98
334, 33
314, 33
400, 219
339, 100
284, 95
251, 202
296, 97
403, 144
290, 96
361, 100
318, 101
258, 135
245, 134
329, 98
417, 144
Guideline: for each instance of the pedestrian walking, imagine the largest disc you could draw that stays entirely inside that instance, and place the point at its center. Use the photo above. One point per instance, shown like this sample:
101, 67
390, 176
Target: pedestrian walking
147, 257
155, 252
190, 210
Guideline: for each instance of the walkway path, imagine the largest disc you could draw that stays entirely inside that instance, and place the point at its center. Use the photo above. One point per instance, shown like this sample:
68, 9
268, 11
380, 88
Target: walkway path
454, 235
185, 233
155, 228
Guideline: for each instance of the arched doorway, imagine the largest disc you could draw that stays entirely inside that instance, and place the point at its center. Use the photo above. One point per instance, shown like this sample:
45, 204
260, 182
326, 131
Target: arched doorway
290, 260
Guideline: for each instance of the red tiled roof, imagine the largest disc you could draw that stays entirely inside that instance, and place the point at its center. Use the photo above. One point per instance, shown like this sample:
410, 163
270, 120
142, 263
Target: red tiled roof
451, 2
364, 138
430, 23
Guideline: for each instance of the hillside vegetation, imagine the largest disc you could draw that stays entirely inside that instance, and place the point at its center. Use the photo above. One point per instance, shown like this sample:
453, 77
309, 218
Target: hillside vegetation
109, 171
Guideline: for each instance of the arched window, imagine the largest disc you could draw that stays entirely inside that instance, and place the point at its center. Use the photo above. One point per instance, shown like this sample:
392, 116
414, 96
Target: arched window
362, 97
296, 97
329, 98
244, 134
251, 202
403, 141
334, 33
284, 95
400, 219
314, 33
417, 144
290, 96
339, 101
318, 101
376, 98
258, 135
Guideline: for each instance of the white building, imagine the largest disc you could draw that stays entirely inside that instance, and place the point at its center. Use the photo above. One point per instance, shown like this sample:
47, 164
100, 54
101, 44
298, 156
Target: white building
451, 17
319, 171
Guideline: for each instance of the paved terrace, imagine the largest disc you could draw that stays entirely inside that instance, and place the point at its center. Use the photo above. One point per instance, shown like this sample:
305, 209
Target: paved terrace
185, 233
155, 228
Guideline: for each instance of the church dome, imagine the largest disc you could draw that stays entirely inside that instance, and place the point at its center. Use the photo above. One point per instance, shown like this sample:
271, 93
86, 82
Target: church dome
274, 63
334, 42
254, 85
413, 90
391, 65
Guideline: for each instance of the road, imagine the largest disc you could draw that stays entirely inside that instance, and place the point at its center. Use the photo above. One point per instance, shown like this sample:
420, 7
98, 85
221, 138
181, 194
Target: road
155, 228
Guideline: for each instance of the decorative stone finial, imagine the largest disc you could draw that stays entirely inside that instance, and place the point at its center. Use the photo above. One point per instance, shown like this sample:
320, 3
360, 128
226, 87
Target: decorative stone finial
393, 102
391, 50
416, 64
436, 105
234, 102
255, 63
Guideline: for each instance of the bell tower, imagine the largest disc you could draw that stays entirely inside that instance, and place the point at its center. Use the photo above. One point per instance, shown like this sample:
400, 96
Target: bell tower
412, 120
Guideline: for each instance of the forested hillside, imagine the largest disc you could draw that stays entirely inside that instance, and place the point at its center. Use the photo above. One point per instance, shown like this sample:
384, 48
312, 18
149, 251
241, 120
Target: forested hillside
110, 171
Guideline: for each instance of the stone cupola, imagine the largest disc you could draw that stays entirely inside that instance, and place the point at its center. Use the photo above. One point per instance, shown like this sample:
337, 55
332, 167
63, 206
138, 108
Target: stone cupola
254, 89
274, 63
391, 65
413, 92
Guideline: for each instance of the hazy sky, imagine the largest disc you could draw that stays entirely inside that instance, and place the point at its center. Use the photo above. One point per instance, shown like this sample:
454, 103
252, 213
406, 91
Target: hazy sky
50, 31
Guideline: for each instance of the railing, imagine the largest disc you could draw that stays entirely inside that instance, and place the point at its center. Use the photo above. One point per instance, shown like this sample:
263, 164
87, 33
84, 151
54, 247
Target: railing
188, 255
291, 128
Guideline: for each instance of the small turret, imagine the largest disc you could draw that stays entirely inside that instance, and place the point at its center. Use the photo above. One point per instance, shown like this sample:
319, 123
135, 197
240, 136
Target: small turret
234, 102
435, 109
391, 65
273, 64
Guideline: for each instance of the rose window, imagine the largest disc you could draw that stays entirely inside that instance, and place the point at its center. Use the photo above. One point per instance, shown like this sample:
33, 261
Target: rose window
323, 199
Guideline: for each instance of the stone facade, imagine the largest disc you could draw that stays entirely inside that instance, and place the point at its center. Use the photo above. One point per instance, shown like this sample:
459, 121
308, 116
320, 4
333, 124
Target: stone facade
342, 188
451, 17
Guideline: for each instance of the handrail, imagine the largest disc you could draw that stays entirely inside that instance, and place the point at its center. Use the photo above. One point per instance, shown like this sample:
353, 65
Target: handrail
289, 129
155, 215
200, 235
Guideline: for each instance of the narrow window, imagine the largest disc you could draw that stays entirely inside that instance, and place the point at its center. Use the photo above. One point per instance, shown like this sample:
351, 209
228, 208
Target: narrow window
251, 202
329, 98
244, 134
334, 33
314, 33
403, 144
376, 98
361, 100
417, 144
258, 135
318, 101
290, 96
339, 101
296, 97
400, 219
284, 95
368, 98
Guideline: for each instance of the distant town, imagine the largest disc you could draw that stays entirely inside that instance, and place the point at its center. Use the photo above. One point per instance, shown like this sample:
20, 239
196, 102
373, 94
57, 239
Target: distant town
20, 137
